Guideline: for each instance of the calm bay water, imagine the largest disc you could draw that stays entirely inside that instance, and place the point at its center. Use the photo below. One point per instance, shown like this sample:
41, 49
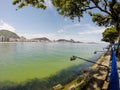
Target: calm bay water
23, 61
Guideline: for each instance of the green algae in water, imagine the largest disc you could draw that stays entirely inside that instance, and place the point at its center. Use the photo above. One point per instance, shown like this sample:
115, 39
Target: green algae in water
23, 61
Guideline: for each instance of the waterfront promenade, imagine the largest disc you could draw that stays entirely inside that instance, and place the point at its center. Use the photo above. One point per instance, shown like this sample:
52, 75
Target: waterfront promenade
96, 78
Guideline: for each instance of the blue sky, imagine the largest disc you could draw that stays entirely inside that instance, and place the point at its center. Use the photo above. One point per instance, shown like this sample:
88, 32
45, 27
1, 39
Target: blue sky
31, 22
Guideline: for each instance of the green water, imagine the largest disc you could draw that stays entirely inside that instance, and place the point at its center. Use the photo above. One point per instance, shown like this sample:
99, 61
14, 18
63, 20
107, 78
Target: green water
23, 61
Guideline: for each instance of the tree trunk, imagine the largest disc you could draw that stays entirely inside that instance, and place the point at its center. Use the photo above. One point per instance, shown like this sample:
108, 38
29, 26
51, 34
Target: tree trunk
118, 49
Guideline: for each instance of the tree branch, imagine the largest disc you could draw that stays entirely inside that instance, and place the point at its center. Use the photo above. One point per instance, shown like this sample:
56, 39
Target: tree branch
101, 9
105, 5
88, 8
114, 15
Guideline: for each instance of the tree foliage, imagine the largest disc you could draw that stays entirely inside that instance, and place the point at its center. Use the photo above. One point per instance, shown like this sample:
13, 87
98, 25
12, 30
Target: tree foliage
33, 3
110, 35
108, 10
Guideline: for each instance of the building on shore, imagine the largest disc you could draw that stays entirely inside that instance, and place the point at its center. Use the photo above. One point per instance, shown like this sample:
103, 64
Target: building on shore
4, 39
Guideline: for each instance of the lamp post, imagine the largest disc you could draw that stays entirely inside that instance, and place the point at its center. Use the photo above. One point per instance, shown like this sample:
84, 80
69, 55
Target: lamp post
75, 57
95, 52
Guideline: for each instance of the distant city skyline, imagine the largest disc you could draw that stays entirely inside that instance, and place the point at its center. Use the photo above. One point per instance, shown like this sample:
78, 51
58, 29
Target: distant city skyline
35, 23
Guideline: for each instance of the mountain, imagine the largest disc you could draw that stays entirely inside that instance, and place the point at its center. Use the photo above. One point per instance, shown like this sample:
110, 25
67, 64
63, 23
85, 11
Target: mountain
71, 40
42, 39
62, 40
8, 34
92, 43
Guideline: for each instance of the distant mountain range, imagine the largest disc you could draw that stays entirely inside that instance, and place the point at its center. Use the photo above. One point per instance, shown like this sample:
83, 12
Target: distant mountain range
44, 39
8, 34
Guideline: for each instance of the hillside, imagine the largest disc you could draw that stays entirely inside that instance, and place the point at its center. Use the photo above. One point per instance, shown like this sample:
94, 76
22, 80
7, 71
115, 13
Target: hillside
42, 39
71, 40
9, 34
63, 40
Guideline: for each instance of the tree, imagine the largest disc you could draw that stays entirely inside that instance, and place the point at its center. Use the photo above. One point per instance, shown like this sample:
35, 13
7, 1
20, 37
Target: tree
108, 11
110, 35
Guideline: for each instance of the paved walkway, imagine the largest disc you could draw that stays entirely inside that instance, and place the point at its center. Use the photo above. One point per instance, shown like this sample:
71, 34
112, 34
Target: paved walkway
118, 63
95, 76
98, 80
99, 74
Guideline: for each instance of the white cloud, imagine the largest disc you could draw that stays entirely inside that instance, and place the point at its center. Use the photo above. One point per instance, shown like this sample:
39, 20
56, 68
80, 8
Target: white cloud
6, 26
90, 29
85, 28
51, 36
68, 27
60, 31
79, 32
82, 26
78, 25
48, 3
91, 32
72, 26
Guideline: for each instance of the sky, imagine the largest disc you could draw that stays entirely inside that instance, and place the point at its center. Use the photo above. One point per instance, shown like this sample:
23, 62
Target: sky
35, 23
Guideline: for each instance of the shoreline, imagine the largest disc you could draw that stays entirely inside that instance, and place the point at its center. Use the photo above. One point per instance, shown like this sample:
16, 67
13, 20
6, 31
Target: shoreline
83, 80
